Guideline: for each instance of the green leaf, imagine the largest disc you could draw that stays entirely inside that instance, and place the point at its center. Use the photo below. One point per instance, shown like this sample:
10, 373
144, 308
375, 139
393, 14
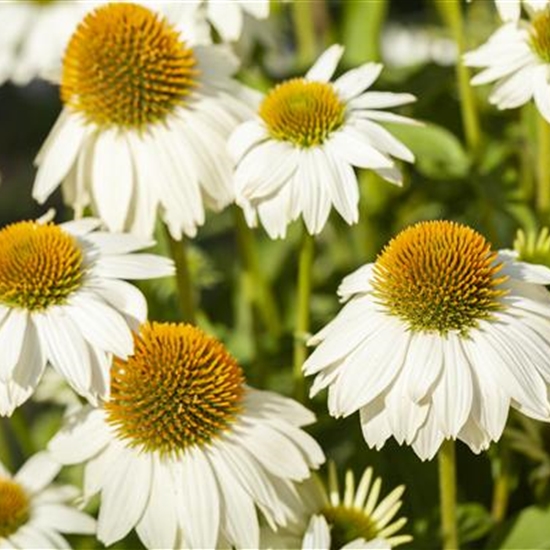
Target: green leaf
529, 529
439, 154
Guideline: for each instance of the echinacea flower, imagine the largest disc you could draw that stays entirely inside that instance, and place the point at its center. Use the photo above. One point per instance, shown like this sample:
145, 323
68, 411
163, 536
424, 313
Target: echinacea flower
34, 512
33, 35
318, 537
517, 58
191, 451
438, 339
297, 156
145, 119
228, 17
63, 303
354, 519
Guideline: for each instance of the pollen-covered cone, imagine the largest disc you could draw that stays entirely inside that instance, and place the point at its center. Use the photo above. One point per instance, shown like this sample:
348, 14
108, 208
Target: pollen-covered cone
438, 339
146, 115
34, 512
296, 157
517, 58
355, 518
184, 451
63, 302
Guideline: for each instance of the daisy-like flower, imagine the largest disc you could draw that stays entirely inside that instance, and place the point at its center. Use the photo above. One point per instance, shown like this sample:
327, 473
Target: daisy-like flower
318, 537
184, 451
62, 302
33, 35
296, 156
439, 338
228, 17
34, 512
144, 125
354, 519
517, 58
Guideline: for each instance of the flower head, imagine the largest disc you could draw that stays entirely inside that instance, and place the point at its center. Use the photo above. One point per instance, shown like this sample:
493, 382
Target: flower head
206, 448
517, 58
440, 336
34, 512
145, 119
331, 519
296, 157
62, 302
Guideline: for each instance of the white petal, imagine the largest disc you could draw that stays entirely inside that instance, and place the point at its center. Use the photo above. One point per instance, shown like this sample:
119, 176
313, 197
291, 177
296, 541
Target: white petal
12, 334
65, 348
124, 496
118, 243
57, 155
134, 266
380, 100
428, 439
349, 145
317, 536
374, 423
38, 472
245, 136
344, 188
158, 525
227, 18
352, 83
542, 91
509, 10
100, 325
323, 69
197, 499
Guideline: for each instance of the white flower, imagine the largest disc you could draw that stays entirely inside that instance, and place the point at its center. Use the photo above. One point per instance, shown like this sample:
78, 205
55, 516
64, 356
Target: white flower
356, 519
62, 302
517, 58
144, 125
34, 511
184, 451
317, 537
33, 36
296, 156
227, 17
439, 338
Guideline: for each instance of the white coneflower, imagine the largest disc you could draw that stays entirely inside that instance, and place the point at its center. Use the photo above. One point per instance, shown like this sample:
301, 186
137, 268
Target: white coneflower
439, 338
144, 125
517, 58
63, 303
191, 450
34, 512
297, 156
318, 537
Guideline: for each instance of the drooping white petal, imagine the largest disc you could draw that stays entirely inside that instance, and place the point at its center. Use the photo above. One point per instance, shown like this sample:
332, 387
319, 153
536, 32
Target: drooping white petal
317, 535
355, 81
12, 334
37, 472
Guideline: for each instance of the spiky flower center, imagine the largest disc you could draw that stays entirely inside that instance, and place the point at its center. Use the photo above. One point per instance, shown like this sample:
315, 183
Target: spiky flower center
302, 112
540, 35
14, 507
125, 66
40, 265
348, 524
181, 387
439, 276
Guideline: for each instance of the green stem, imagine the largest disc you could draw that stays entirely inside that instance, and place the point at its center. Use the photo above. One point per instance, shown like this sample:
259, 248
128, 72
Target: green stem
451, 12
543, 169
447, 491
262, 294
179, 253
501, 490
22, 433
5, 454
305, 264
304, 30
526, 154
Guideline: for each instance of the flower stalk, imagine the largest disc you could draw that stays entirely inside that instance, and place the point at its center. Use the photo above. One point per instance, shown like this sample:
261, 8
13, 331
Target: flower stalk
305, 265
180, 254
447, 489
452, 15
543, 168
